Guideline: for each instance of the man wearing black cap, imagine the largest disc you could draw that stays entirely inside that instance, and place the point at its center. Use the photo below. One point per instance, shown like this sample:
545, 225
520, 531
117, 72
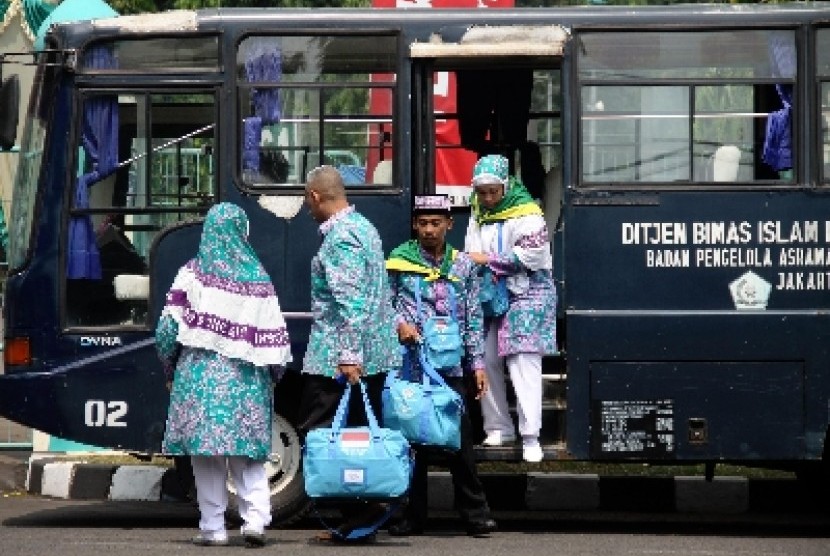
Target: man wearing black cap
449, 285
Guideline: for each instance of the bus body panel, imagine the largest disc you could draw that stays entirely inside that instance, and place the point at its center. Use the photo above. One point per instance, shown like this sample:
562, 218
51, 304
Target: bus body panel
687, 332
756, 390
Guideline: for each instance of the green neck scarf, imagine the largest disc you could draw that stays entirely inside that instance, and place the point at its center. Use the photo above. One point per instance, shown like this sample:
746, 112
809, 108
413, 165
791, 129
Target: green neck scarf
408, 257
515, 203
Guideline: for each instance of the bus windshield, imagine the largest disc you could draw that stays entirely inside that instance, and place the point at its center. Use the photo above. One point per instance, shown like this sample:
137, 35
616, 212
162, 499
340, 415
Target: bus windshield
29, 167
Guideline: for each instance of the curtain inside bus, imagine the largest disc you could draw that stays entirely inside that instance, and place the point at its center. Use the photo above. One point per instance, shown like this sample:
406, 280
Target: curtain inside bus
100, 144
263, 63
778, 142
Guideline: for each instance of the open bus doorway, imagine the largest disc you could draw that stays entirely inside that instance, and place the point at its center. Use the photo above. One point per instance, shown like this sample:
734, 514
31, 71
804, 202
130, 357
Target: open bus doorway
505, 99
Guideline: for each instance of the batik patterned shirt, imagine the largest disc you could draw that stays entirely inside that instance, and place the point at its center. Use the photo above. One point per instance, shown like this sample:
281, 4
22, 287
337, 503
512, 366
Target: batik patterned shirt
353, 321
435, 300
524, 259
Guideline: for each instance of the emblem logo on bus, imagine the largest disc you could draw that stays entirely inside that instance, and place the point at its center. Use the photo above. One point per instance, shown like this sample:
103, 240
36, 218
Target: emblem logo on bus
750, 291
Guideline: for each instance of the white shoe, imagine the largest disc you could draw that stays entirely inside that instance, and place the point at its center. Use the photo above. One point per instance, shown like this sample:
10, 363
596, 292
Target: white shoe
208, 539
496, 438
532, 454
253, 538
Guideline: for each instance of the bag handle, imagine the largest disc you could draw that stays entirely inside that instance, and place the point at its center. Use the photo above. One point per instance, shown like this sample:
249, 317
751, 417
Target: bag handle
342, 412
429, 372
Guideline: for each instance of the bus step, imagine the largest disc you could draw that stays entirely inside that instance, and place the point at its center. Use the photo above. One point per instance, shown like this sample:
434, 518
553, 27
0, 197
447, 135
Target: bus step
513, 452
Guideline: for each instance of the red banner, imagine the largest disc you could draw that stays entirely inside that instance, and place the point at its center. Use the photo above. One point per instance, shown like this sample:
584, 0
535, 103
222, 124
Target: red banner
453, 165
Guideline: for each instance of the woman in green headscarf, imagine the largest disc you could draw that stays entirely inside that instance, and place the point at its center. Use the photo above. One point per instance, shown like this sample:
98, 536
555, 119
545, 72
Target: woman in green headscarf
507, 233
222, 339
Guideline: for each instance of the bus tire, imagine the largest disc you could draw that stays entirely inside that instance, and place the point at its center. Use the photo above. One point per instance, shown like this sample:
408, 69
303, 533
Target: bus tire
289, 502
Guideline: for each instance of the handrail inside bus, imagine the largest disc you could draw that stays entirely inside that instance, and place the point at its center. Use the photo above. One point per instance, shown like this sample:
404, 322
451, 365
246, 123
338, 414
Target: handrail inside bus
165, 145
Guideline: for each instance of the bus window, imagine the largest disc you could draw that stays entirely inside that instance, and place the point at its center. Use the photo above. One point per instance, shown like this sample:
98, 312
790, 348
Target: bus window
669, 108
165, 173
312, 100
161, 54
823, 76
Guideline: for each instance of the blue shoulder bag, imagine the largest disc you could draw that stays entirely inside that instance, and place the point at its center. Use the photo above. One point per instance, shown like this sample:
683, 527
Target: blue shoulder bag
442, 345
494, 297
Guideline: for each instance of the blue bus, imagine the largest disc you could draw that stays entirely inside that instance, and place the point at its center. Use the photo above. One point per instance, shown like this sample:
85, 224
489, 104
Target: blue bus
681, 154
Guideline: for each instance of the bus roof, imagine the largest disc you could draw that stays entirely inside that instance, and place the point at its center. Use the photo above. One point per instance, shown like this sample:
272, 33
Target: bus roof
74, 35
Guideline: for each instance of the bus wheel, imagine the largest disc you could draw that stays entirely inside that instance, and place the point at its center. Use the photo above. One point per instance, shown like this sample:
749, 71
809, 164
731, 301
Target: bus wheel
285, 476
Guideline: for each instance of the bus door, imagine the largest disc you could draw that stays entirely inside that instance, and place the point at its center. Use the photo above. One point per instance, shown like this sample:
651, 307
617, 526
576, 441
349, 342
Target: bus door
495, 89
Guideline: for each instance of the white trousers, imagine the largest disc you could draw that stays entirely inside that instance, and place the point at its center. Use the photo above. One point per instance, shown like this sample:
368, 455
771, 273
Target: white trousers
251, 483
526, 375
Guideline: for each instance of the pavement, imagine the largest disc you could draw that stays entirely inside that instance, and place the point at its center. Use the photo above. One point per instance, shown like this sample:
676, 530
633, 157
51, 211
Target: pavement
47, 475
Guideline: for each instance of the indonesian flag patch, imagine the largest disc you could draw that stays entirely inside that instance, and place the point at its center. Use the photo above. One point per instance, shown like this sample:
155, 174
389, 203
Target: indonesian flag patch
354, 440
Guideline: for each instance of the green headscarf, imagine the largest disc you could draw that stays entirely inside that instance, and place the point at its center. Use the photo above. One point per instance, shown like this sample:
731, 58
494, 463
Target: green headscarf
224, 250
515, 203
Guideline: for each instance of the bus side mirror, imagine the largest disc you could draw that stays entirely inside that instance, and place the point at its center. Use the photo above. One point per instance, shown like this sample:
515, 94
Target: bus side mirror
9, 111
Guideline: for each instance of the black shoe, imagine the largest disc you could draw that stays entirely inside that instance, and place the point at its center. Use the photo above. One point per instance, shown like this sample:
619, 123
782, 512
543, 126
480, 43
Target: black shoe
405, 528
481, 528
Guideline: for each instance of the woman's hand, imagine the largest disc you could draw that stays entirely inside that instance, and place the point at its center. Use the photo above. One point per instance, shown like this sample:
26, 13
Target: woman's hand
481, 383
479, 258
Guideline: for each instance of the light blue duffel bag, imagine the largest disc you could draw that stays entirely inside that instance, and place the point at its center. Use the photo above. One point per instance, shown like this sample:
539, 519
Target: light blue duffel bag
356, 462
428, 412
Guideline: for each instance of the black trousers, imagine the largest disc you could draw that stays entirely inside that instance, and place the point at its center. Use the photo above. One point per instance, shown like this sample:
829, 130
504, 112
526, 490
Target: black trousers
321, 396
470, 500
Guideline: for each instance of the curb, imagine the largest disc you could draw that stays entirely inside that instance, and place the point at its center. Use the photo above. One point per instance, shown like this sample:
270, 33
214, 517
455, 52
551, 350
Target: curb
535, 492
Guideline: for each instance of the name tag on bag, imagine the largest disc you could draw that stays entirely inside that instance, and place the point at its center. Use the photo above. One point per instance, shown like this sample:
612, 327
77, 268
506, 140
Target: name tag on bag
354, 476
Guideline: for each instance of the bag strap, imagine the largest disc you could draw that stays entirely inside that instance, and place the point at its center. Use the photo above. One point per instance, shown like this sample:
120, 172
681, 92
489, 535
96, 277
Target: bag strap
419, 307
342, 412
359, 532
429, 372
370, 415
501, 282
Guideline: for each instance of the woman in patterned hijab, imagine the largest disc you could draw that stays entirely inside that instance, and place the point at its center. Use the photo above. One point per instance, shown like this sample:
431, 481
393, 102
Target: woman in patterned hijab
221, 338
507, 233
